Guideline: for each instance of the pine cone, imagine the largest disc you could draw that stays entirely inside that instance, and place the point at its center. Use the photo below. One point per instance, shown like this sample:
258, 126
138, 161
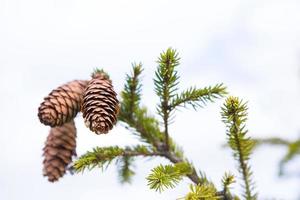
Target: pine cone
59, 148
62, 104
100, 104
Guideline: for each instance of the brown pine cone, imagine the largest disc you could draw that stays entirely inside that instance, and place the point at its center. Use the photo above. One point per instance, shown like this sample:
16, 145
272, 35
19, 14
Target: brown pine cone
100, 104
62, 104
58, 151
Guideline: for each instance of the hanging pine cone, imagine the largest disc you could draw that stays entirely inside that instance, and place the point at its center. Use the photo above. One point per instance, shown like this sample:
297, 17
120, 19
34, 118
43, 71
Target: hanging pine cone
100, 104
62, 104
59, 148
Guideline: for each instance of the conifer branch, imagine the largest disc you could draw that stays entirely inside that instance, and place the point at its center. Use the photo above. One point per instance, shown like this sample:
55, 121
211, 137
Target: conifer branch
102, 156
98, 157
234, 115
166, 81
227, 180
271, 141
205, 191
147, 127
193, 176
131, 94
198, 97
167, 176
293, 149
124, 169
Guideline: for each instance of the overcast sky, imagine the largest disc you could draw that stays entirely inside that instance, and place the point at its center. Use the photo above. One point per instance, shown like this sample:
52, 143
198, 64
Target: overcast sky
250, 46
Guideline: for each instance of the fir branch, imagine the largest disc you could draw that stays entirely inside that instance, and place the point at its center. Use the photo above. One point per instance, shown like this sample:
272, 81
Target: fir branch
102, 156
176, 149
131, 95
204, 179
193, 176
198, 97
168, 176
98, 157
202, 192
227, 180
147, 128
271, 141
293, 149
124, 169
234, 115
166, 81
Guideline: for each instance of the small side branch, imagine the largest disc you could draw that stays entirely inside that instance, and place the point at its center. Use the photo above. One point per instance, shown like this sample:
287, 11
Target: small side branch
166, 81
234, 114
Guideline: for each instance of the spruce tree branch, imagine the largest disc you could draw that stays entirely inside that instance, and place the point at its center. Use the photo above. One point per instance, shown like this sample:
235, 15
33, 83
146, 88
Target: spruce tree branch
242, 162
131, 94
147, 127
227, 180
234, 113
124, 169
293, 148
103, 156
205, 191
198, 97
193, 176
150, 129
271, 141
167, 176
166, 81
166, 117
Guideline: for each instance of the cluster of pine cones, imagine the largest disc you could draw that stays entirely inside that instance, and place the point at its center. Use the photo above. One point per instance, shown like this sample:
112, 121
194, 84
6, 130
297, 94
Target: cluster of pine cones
97, 101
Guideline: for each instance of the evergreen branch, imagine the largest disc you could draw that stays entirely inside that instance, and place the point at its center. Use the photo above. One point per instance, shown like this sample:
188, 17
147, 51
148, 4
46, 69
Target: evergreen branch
202, 192
198, 97
293, 149
124, 169
292, 152
131, 95
166, 81
103, 156
271, 141
98, 157
204, 179
168, 176
234, 113
193, 176
227, 180
147, 128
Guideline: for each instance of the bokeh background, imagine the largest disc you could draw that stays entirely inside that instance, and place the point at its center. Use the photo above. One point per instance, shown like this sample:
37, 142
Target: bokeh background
252, 46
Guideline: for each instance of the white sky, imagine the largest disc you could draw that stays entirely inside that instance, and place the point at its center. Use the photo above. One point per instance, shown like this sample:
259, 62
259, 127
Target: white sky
251, 46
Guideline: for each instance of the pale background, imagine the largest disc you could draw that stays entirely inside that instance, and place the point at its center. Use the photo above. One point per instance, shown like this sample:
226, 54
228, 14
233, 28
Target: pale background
252, 46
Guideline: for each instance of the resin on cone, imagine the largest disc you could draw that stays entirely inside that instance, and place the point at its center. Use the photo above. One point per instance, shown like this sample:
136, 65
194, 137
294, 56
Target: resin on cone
58, 151
62, 104
100, 105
